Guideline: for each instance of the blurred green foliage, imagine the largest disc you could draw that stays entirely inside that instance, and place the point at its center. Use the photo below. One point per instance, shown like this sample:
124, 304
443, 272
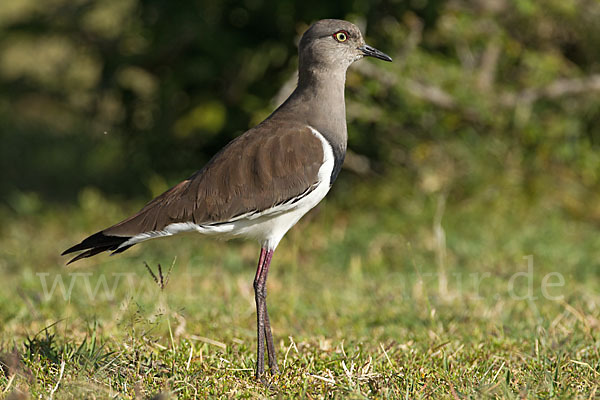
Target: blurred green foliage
461, 152
130, 96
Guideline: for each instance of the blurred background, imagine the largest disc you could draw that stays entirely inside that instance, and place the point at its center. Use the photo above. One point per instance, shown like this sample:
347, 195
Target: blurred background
130, 96
471, 190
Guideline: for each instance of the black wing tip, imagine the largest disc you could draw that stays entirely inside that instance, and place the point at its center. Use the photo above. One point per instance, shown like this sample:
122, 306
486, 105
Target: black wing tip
87, 243
70, 250
79, 257
97, 243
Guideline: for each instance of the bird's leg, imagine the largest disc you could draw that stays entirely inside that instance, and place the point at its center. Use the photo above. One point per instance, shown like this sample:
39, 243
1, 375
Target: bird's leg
270, 347
260, 297
262, 319
267, 325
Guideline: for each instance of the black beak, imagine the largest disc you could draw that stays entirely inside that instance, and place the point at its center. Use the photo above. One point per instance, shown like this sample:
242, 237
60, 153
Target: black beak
373, 52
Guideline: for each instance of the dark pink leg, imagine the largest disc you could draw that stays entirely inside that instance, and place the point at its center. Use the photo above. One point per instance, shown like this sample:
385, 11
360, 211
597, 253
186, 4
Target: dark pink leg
262, 317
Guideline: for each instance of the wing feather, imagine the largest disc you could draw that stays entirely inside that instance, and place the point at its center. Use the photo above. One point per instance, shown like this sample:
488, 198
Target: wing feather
267, 166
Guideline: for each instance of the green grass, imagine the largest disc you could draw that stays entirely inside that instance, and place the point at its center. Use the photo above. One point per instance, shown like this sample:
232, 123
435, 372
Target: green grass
365, 302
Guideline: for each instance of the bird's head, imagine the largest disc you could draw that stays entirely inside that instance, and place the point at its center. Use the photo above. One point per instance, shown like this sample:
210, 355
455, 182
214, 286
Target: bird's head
334, 44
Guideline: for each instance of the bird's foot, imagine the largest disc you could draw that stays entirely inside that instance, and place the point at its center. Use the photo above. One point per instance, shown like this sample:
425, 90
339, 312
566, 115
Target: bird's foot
260, 378
261, 375
274, 368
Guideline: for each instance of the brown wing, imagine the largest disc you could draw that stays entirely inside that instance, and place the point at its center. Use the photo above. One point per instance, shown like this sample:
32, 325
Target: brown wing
266, 166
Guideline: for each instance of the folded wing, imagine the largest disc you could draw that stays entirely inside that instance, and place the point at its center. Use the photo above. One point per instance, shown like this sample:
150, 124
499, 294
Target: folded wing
268, 165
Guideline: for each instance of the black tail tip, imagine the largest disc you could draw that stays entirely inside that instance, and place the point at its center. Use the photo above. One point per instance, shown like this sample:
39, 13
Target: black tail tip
97, 243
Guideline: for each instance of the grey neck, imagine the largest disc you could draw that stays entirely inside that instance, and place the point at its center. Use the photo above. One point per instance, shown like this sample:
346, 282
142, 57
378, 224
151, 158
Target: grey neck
319, 102
323, 92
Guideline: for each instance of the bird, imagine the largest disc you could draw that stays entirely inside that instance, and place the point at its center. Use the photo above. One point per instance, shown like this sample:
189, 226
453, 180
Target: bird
261, 183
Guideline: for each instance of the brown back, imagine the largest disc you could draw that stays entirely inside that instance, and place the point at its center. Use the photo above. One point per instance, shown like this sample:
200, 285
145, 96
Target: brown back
268, 165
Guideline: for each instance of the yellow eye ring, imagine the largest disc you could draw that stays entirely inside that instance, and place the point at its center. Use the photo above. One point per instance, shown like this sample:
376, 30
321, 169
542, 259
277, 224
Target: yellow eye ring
341, 36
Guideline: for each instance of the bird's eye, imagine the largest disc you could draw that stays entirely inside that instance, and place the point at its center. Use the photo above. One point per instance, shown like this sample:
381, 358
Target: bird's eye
341, 36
